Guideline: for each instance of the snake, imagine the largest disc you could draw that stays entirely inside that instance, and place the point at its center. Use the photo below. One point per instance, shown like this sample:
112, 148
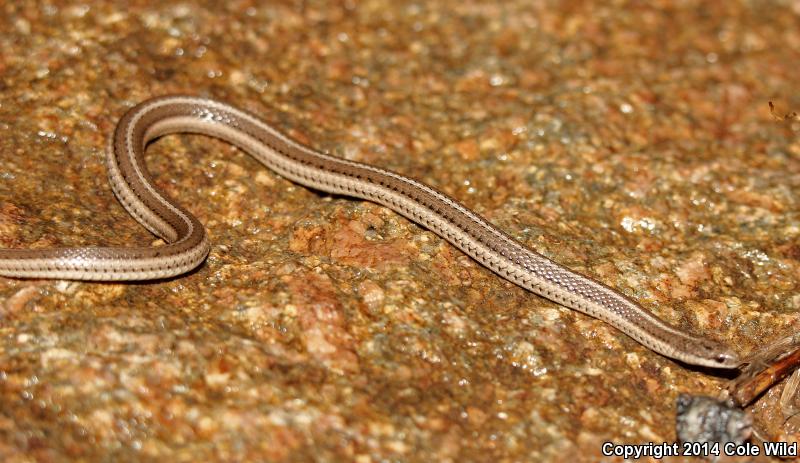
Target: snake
186, 243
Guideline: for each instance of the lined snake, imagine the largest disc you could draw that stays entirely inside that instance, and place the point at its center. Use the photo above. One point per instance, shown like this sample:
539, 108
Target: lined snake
188, 245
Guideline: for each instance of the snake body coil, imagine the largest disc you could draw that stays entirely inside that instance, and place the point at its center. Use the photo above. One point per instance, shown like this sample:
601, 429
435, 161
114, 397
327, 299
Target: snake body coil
188, 244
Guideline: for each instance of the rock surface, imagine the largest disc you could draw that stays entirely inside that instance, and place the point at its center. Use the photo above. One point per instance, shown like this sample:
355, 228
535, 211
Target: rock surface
631, 143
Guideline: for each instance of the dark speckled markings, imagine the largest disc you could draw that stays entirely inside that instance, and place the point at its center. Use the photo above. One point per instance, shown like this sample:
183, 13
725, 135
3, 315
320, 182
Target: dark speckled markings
188, 244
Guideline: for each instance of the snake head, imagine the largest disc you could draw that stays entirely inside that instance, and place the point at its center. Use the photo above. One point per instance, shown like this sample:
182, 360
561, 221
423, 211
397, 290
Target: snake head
712, 354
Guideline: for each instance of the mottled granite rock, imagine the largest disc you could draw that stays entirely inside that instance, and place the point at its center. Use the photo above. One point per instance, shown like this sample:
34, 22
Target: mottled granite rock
631, 143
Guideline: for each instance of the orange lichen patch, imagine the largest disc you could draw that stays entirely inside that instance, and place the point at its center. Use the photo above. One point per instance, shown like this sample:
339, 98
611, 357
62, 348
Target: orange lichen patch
323, 321
349, 246
346, 242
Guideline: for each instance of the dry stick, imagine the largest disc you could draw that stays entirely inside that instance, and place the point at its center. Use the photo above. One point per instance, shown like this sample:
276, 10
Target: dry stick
765, 368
